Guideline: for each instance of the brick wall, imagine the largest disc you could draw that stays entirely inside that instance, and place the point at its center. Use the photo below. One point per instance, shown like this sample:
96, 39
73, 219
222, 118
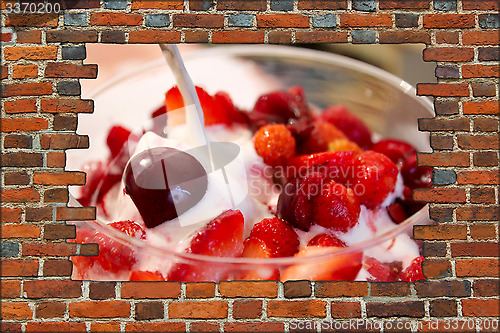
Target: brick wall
42, 62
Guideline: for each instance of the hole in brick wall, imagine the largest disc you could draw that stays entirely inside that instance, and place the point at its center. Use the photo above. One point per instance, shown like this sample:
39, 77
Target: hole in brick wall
131, 85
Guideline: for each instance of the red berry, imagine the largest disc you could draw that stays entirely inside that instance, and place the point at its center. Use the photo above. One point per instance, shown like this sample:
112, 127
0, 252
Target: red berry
336, 208
322, 134
375, 177
117, 137
411, 206
394, 149
257, 248
352, 126
95, 171
397, 212
275, 144
383, 272
332, 165
413, 272
146, 276
222, 237
278, 235
326, 240
415, 176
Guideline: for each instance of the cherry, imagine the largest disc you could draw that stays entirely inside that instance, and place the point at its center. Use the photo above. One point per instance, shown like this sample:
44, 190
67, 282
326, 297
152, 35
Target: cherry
163, 183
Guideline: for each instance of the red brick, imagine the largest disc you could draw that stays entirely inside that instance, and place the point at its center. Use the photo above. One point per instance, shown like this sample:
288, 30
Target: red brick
53, 288
75, 213
341, 289
102, 290
6, 37
478, 141
322, 4
254, 327
447, 37
27, 89
443, 89
407, 4
51, 326
449, 288
489, 37
100, 309
11, 288
4, 72
407, 309
31, 53
483, 107
282, 21
448, 54
196, 36
155, 327
321, 37
445, 21
486, 125
32, 20
50, 309
29, 36
200, 290
478, 213
296, 289
248, 289
11, 214
481, 5
59, 178
258, 5
403, 37
59, 231
482, 231
56, 160
440, 232
296, 309
25, 71
444, 159
198, 309
115, 19
279, 37
441, 142
237, 36
470, 71
444, 124
20, 106
20, 195
49, 249
393, 289
443, 308
16, 311
56, 195
198, 20
24, 124
485, 158
482, 195
38, 214
20, 231
476, 249
67, 106
365, 20
247, 309
477, 267
55, 69
151, 290
18, 267
111, 327
474, 307
486, 287
440, 195
478, 177
64, 141
203, 326
72, 36
18, 141
57, 267
154, 36
345, 309
151, 4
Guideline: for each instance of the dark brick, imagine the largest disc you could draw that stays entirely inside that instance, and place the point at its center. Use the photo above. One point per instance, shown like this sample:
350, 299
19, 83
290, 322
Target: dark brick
295, 289
149, 310
363, 37
489, 53
21, 159
445, 5
392, 289
441, 214
447, 72
56, 195
16, 178
441, 142
69, 88
282, 5
406, 20
489, 21
115, 4
447, 107
18, 141
483, 89
443, 177
434, 249
443, 308
9, 249
247, 309
74, 52
451, 288
364, 5
203, 5
486, 288
485, 158
101, 290
80, 4
65, 123
406, 309
112, 36
157, 20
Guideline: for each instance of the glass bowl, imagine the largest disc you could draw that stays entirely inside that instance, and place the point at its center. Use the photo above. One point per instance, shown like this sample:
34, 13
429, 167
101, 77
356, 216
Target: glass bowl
387, 104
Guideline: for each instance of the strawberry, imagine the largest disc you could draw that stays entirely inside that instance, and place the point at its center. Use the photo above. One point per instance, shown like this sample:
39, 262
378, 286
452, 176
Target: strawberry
275, 144
397, 212
413, 175
335, 268
336, 208
336, 165
257, 248
322, 134
375, 177
146, 276
95, 171
352, 126
326, 240
278, 235
383, 272
344, 144
158, 112
222, 237
394, 149
413, 272
117, 137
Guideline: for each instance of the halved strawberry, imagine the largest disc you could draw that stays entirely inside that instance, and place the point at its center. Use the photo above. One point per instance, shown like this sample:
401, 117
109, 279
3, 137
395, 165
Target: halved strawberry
278, 235
326, 240
413, 272
383, 272
334, 165
257, 248
146, 276
335, 268
222, 237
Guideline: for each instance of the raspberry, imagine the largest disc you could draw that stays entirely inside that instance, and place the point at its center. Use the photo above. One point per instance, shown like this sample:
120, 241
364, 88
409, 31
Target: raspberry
322, 134
336, 208
278, 235
326, 240
275, 144
375, 177
413, 272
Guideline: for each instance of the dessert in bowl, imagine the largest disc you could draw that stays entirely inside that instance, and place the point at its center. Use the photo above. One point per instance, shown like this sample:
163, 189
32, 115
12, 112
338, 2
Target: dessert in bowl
307, 171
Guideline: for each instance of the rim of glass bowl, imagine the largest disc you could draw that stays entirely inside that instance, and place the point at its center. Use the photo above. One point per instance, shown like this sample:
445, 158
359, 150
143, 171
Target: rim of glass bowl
420, 217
